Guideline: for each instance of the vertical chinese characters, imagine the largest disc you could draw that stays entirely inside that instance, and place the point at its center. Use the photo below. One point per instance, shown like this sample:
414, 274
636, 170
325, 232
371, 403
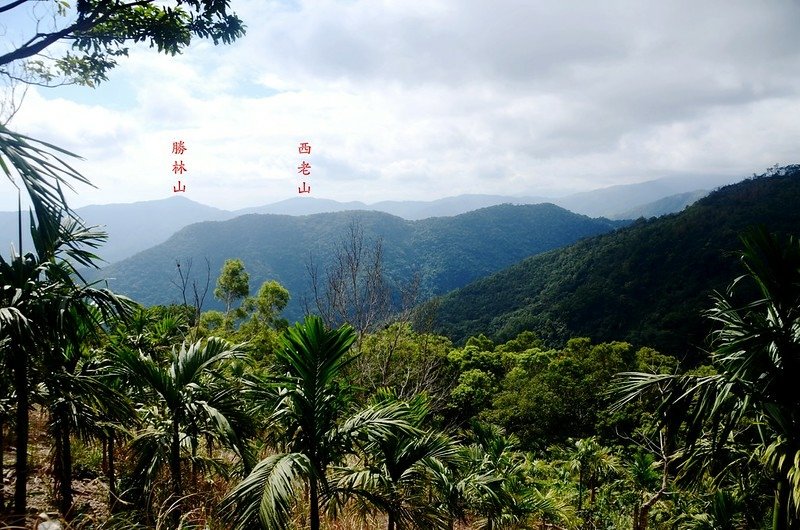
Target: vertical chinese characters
178, 166
305, 167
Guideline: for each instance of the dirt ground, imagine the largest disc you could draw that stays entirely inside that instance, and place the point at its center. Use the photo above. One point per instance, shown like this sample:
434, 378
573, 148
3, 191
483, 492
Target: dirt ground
90, 493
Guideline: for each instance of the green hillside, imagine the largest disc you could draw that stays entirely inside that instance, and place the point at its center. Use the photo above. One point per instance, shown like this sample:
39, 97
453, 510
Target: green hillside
646, 283
446, 252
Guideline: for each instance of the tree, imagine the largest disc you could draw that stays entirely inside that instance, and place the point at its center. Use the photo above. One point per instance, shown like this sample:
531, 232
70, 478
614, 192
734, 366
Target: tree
591, 461
33, 284
185, 400
233, 284
41, 305
267, 305
100, 30
75, 392
262, 323
353, 289
312, 429
394, 471
408, 362
754, 394
198, 293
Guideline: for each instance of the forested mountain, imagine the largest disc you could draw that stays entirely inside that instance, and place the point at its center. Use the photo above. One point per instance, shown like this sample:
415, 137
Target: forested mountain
672, 204
447, 252
133, 227
647, 283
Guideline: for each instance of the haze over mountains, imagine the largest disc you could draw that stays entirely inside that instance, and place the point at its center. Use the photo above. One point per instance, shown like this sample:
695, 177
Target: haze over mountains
137, 226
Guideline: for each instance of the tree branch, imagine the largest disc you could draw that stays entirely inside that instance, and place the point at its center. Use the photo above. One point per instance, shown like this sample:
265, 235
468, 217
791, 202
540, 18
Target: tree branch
12, 5
33, 47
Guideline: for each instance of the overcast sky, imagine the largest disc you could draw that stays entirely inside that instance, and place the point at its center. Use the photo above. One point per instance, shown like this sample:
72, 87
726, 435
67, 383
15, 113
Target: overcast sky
422, 99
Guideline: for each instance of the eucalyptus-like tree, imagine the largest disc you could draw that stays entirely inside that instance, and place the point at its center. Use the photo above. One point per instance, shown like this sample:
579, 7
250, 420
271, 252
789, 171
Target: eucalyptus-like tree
314, 428
99, 31
754, 394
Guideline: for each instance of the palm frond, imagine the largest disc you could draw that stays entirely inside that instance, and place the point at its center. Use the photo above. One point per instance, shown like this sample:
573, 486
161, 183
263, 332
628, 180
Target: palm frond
41, 169
264, 499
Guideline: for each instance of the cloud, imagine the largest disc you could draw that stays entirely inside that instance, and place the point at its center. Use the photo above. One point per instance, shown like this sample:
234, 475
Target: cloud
416, 100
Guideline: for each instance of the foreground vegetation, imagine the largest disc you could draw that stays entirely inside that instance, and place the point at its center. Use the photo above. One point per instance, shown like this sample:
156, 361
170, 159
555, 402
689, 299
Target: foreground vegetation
355, 419
238, 419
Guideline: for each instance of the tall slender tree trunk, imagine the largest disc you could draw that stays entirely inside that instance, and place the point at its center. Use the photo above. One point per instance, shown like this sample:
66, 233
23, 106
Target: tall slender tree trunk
175, 467
2, 467
313, 502
390, 523
112, 477
66, 481
23, 426
62, 464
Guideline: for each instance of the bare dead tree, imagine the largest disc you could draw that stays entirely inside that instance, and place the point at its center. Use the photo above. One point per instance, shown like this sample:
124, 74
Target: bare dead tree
14, 89
200, 298
183, 279
353, 287
198, 293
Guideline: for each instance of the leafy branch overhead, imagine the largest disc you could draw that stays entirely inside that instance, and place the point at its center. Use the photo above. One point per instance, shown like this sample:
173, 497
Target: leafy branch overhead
100, 31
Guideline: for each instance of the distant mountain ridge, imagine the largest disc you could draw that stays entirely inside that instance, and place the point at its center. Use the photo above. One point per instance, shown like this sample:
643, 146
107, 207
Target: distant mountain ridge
131, 227
137, 226
667, 205
447, 252
647, 283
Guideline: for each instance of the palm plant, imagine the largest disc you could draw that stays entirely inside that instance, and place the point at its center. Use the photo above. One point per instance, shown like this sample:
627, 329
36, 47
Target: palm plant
489, 481
182, 402
41, 301
41, 169
313, 429
642, 485
757, 359
496, 454
78, 398
28, 280
394, 471
591, 461
462, 487
723, 512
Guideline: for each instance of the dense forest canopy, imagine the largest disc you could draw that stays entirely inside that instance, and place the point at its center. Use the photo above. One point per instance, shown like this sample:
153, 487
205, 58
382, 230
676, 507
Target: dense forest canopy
646, 283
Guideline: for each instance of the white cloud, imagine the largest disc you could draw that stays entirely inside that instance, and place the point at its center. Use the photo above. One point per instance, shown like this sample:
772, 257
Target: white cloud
416, 100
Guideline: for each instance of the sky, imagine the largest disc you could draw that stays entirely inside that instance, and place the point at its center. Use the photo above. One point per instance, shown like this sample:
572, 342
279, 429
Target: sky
423, 99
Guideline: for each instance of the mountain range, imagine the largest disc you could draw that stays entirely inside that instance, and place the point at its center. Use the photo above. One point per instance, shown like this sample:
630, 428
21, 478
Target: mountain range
647, 283
446, 252
137, 226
